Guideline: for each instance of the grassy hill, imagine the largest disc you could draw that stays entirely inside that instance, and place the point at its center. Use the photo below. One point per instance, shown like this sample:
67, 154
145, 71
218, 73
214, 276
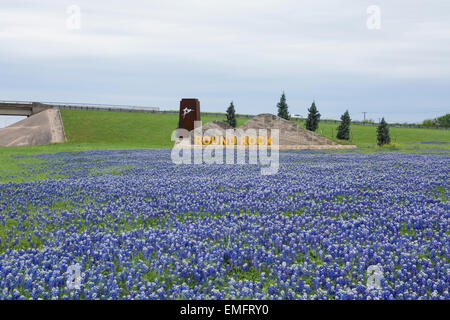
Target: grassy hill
87, 130
365, 136
153, 130
123, 129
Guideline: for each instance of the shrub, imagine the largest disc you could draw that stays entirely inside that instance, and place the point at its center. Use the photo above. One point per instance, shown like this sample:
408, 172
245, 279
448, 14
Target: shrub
231, 115
283, 108
383, 133
344, 128
312, 122
444, 121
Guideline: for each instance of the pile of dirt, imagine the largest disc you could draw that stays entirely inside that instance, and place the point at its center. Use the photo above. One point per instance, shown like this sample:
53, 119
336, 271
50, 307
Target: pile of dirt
216, 125
291, 134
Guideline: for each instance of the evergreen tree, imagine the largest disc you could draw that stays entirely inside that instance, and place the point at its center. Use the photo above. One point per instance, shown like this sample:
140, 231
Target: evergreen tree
312, 122
231, 115
283, 108
383, 133
344, 128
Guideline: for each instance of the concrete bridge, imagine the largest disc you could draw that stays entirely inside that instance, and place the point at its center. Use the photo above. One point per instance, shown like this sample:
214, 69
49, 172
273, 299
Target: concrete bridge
44, 124
19, 108
29, 108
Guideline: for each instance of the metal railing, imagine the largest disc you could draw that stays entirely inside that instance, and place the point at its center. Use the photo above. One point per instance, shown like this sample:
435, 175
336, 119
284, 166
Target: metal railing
128, 108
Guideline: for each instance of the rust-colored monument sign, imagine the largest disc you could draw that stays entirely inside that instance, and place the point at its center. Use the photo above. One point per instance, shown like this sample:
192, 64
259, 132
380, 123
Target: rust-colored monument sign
189, 112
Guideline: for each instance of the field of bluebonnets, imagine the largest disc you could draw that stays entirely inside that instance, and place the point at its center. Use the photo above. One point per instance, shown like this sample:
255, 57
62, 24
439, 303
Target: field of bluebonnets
141, 227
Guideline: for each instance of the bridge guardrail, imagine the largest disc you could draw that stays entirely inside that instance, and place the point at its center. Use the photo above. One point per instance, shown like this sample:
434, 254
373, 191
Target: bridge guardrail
124, 108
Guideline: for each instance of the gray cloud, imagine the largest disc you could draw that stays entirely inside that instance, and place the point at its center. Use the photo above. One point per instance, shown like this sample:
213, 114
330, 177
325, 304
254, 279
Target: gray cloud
155, 52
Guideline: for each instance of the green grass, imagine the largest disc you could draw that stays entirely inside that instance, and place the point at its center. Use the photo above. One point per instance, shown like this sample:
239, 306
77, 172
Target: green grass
92, 130
17, 166
87, 130
153, 130
402, 138
123, 129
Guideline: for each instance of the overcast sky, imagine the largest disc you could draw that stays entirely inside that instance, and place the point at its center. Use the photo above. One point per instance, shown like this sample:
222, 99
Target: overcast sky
155, 52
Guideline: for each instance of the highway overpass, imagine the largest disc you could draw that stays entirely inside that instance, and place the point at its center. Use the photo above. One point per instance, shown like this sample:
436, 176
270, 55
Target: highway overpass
19, 108
28, 108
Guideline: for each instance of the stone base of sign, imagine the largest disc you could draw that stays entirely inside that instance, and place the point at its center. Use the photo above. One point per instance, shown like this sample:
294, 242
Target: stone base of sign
291, 135
319, 147
281, 147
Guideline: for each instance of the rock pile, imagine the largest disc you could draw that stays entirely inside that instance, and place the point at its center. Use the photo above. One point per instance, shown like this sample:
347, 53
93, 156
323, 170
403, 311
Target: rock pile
291, 135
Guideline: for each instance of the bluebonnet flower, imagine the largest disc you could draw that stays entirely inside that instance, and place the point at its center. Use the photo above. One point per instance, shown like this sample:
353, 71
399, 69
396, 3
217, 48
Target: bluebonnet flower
309, 232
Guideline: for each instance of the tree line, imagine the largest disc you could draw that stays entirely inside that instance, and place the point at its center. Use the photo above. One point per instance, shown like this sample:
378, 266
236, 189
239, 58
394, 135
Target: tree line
313, 119
443, 121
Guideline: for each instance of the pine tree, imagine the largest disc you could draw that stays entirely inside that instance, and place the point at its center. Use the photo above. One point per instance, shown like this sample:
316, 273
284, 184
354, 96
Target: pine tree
231, 115
312, 122
383, 133
344, 128
283, 108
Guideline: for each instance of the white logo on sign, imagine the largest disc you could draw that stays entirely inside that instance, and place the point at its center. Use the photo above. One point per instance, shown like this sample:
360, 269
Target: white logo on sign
186, 111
